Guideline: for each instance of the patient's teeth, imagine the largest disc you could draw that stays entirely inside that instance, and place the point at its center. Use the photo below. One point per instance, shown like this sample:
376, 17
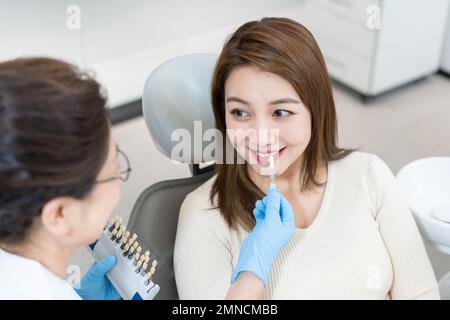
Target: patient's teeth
265, 155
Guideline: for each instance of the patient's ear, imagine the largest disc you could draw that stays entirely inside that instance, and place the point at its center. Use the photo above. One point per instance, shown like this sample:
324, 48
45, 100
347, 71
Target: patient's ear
55, 216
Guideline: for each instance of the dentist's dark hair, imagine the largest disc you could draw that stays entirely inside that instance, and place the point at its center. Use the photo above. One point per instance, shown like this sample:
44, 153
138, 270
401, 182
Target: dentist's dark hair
54, 139
286, 48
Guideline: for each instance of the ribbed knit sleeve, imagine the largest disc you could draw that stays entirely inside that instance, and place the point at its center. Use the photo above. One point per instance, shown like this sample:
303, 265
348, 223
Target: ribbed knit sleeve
202, 256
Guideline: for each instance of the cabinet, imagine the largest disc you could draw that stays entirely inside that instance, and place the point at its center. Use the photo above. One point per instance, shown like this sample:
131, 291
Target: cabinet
404, 47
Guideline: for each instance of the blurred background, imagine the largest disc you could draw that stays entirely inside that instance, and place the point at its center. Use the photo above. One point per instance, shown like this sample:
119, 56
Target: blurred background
389, 61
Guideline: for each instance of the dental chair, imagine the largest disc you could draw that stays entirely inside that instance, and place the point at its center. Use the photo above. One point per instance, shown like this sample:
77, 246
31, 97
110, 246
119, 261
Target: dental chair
176, 94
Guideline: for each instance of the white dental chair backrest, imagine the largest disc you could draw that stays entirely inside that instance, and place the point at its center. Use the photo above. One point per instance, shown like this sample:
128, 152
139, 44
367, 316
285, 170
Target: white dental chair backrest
176, 94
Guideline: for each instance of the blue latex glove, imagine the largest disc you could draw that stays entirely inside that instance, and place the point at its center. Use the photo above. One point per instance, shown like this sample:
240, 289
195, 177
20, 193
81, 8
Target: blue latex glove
275, 226
94, 285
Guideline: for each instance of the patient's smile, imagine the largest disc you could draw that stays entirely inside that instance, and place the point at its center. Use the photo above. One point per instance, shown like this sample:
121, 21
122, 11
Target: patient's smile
262, 157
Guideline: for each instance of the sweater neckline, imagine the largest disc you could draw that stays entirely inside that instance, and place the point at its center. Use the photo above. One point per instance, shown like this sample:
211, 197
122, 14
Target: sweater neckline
323, 206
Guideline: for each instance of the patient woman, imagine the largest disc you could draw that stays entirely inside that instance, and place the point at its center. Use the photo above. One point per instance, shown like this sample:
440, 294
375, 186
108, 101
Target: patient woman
354, 236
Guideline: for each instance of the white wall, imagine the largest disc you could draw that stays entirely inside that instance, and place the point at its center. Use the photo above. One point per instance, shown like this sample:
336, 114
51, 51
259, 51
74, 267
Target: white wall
123, 41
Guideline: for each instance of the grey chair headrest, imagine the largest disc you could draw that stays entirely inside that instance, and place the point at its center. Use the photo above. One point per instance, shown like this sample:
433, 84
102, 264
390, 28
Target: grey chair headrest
177, 93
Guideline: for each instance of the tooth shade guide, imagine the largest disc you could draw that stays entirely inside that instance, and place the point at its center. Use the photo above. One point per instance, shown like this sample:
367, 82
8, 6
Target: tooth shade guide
129, 273
272, 169
112, 222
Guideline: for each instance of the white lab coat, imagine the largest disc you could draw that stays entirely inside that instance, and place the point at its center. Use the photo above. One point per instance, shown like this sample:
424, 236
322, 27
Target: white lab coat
22, 278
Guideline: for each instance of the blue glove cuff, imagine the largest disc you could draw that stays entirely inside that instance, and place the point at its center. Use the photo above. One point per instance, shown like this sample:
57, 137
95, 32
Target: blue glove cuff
260, 275
249, 262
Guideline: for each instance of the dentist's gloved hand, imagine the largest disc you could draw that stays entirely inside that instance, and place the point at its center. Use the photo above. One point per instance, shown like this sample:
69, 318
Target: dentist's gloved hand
95, 285
275, 226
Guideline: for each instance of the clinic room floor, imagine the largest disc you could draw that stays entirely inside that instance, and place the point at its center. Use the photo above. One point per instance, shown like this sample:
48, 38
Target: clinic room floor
409, 123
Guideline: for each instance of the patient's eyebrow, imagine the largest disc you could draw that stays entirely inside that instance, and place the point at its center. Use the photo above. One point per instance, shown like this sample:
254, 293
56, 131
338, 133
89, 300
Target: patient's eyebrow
278, 101
239, 100
285, 100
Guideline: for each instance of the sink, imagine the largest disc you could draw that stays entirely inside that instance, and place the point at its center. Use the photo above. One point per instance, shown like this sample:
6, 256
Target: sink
425, 184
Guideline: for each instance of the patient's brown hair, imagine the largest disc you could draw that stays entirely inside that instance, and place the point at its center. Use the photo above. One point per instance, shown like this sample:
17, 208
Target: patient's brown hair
285, 48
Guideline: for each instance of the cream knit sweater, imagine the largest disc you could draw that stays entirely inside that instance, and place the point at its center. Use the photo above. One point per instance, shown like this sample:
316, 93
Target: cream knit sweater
363, 244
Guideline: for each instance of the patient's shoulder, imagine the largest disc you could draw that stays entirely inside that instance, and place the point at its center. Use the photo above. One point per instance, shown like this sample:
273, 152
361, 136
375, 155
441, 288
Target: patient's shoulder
197, 203
362, 164
356, 158
368, 163
368, 173
197, 212
200, 197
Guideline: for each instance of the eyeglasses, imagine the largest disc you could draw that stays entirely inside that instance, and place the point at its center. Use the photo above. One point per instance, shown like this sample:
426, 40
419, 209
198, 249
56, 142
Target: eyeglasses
124, 167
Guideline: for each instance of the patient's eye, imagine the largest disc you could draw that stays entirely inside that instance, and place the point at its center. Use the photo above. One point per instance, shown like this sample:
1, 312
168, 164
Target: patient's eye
282, 113
240, 114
